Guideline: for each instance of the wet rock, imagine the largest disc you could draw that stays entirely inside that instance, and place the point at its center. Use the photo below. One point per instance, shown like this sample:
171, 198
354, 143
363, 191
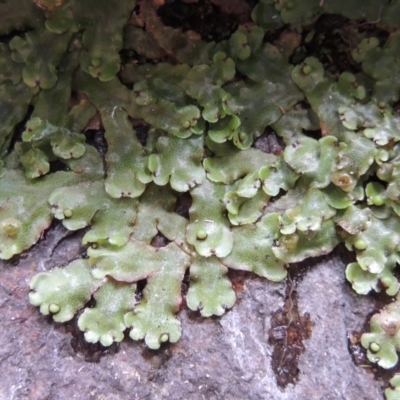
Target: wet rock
216, 358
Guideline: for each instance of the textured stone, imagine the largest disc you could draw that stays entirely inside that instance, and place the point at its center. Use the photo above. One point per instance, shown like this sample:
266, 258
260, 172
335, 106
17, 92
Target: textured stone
216, 358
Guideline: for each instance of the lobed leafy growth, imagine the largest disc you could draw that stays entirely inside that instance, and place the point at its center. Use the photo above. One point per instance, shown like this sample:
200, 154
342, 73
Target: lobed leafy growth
192, 118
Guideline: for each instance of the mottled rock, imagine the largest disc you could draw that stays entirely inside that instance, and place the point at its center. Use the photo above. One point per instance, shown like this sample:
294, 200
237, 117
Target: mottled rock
216, 358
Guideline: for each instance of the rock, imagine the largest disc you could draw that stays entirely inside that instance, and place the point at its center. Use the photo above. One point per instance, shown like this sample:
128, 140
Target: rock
216, 358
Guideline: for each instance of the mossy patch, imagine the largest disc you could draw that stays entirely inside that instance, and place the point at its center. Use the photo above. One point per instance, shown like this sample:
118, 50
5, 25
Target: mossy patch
204, 104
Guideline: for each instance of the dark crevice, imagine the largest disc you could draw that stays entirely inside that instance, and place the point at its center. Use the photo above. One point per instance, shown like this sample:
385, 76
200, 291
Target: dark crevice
7, 38
270, 142
183, 204
184, 289
302, 105
203, 17
317, 134
238, 279
19, 130
140, 285
160, 240
15, 259
91, 352
142, 131
273, 34
357, 352
95, 137
129, 55
56, 166
277, 197
252, 3
289, 329
332, 39
196, 317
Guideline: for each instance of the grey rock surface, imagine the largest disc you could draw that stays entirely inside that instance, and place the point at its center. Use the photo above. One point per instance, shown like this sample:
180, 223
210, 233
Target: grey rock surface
216, 358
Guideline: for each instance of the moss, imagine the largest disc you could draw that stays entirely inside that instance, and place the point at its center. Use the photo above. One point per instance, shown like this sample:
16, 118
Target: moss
204, 105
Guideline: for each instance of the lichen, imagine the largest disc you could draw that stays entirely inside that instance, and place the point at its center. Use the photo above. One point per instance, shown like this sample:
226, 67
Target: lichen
205, 108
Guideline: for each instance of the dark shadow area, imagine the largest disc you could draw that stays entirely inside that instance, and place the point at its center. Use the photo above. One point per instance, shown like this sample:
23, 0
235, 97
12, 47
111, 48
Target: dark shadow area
203, 17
